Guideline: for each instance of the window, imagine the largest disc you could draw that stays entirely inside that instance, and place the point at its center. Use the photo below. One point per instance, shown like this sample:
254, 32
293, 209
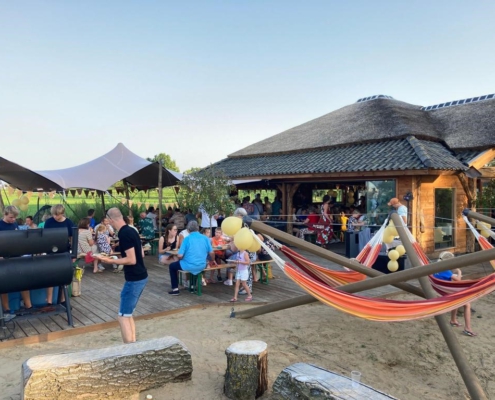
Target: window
444, 230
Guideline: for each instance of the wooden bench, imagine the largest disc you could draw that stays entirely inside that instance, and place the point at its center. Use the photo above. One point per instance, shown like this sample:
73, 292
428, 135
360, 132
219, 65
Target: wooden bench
262, 266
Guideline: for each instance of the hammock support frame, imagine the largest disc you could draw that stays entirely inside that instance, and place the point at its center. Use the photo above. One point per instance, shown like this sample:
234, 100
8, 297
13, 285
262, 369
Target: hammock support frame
470, 379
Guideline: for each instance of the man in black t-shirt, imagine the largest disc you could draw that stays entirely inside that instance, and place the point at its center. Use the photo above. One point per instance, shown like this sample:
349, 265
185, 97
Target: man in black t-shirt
136, 275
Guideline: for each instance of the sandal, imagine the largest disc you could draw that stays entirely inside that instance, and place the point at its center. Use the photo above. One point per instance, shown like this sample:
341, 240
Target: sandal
469, 333
456, 324
250, 298
233, 300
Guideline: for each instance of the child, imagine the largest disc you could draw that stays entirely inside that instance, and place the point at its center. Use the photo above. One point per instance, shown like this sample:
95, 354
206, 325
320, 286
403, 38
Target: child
103, 244
242, 274
217, 241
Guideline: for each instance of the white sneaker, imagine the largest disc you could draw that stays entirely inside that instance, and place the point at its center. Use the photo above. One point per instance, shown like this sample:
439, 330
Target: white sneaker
101, 267
228, 282
8, 317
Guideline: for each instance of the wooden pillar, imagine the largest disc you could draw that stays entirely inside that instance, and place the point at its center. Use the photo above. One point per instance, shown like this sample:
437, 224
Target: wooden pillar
291, 190
246, 376
128, 198
469, 186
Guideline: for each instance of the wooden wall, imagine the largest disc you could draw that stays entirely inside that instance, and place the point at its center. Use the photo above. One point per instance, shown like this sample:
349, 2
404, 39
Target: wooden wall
423, 210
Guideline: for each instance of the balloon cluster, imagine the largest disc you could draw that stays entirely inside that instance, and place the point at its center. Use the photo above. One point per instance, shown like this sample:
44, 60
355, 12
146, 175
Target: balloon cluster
21, 203
394, 254
243, 238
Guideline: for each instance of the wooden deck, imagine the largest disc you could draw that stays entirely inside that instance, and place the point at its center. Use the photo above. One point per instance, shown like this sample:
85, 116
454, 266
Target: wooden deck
100, 296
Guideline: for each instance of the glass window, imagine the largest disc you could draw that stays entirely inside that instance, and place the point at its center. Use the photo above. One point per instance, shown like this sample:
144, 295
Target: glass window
378, 194
443, 234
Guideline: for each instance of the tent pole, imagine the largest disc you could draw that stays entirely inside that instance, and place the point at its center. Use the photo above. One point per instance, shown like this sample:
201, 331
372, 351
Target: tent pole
160, 198
102, 195
470, 379
128, 198
2, 205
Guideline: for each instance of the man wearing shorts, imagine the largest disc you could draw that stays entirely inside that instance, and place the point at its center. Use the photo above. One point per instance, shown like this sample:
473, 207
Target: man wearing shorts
135, 272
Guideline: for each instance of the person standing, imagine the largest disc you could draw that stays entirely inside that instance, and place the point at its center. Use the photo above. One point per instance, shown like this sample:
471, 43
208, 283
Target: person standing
206, 221
457, 276
8, 223
135, 273
59, 220
401, 209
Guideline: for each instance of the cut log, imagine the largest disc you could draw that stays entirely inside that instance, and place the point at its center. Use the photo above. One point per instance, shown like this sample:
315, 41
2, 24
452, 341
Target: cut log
303, 381
246, 377
117, 372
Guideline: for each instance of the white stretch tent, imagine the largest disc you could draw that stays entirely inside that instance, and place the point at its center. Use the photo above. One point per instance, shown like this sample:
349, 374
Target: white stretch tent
99, 174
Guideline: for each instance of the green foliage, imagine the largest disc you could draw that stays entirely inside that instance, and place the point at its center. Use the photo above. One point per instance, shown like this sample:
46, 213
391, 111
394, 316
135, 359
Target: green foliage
486, 202
208, 188
166, 161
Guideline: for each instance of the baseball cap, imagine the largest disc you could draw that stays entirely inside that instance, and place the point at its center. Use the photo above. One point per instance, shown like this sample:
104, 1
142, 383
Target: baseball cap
393, 200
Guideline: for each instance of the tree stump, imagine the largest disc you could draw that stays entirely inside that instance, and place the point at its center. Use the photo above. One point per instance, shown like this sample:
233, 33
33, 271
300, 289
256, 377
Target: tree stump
246, 377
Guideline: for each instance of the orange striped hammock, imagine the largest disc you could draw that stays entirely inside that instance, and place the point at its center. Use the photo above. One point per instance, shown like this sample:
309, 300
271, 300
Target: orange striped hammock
321, 283
385, 310
445, 287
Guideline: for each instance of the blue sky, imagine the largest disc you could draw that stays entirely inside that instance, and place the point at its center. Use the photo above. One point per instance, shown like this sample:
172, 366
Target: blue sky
199, 80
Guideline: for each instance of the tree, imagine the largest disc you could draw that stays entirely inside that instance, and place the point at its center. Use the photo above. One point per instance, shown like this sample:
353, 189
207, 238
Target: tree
209, 189
487, 199
166, 160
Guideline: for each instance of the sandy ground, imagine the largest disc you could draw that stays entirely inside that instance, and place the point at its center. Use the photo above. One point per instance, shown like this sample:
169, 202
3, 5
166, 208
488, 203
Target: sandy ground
408, 360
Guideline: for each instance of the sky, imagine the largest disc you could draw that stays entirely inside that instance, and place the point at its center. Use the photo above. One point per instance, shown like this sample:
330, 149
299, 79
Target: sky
199, 80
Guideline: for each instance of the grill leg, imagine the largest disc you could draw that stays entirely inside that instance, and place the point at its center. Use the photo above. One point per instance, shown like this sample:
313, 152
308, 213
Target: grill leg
67, 305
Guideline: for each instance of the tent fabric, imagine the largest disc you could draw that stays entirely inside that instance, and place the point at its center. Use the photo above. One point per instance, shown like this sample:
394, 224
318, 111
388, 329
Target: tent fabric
98, 174
25, 179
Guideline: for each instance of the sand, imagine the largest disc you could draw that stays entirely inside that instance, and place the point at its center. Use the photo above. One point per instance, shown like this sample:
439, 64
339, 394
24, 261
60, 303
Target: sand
408, 360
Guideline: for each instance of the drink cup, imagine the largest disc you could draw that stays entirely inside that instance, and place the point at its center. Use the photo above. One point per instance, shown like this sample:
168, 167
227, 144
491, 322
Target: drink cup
356, 379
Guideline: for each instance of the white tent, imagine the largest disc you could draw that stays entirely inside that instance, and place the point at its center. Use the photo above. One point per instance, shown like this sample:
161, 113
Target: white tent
99, 174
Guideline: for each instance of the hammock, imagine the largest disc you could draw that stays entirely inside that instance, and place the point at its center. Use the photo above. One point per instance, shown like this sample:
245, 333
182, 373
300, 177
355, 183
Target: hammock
324, 275
484, 244
384, 310
369, 254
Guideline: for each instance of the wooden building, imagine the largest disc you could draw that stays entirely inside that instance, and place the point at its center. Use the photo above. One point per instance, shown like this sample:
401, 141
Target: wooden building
380, 148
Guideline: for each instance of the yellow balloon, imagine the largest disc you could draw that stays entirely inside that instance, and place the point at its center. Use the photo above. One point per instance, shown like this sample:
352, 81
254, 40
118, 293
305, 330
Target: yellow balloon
393, 266
254, 247
23, 207
401, 249
388, 239
485, 233
391, 231
243, 239
393, 255
231, 225
24, 200
16, 202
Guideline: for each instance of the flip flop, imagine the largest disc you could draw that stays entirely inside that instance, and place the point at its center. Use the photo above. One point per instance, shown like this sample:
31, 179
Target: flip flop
233, 300
250, 298
469, 333
456, 324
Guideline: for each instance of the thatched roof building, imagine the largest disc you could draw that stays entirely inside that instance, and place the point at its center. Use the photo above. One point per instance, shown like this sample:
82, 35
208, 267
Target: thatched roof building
374, 134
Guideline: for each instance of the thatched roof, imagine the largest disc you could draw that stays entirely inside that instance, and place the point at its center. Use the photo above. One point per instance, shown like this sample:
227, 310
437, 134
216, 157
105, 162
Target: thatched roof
460, 127
389, 155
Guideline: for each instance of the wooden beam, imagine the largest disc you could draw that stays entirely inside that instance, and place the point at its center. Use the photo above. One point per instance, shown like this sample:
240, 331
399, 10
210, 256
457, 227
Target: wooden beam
487, 172
482, 159
471, 381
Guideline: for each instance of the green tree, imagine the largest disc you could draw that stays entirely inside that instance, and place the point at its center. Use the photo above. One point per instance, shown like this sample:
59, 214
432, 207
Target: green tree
487, 199
208, 188
166, 160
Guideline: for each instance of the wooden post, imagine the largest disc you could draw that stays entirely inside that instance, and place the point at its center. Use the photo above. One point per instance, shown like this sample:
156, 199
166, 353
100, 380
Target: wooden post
291, 190
160, 199
128, 197
246, 376
471, 381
